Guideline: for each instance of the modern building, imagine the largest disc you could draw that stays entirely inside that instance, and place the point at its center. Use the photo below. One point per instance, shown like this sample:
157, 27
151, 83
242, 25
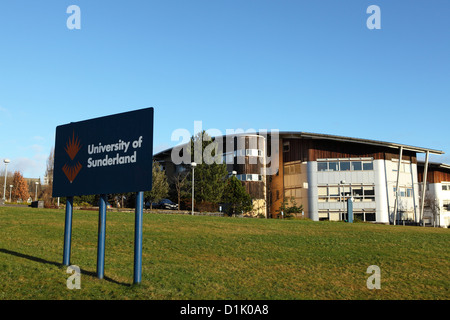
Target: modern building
321, 172
437, 193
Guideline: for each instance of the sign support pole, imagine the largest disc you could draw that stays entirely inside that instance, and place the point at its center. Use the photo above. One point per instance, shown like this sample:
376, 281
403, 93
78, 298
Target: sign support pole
68, 231
138, 237
101, 237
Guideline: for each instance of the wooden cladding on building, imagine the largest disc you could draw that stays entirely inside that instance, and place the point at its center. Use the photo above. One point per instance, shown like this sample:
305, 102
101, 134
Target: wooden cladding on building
434, 175
313, 149
248, 167
254, 188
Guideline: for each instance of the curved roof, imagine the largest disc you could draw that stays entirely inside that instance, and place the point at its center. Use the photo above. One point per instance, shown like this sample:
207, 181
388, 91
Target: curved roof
309, 135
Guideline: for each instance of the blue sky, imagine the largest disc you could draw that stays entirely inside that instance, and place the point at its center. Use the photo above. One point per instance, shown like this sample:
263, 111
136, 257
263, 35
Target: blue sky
291, 65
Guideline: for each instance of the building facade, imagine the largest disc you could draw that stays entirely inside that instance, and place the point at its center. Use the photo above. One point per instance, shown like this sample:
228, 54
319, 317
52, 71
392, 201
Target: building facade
321, 172
437, 193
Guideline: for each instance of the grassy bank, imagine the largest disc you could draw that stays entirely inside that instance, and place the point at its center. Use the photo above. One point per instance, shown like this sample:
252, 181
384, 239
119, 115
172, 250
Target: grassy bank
201, 257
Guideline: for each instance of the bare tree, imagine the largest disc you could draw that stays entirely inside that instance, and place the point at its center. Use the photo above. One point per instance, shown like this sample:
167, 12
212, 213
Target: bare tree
47, 192
432, 204
179, 181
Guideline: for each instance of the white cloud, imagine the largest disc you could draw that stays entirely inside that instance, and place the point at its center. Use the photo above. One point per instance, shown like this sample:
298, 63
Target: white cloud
37, 148
32, 161
30, 168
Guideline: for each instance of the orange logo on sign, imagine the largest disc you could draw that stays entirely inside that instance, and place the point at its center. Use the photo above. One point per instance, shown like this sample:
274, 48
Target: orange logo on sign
72, 148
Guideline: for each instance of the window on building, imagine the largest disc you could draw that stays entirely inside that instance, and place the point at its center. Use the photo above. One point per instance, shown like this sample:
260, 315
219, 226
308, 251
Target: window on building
345, 192
370, 216
333, 191
287, 170
180, 168
357, 193
323, 194
367, 165
446, 205
409, 192
402, 192
345, 165
292, 169
322, 191
369, 193
253, 152
407, 167
286, 146
333, 166
356, 165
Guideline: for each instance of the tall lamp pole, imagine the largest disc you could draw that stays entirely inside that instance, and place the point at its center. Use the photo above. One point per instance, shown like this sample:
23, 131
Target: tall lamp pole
193, 165
6, 161
35, 195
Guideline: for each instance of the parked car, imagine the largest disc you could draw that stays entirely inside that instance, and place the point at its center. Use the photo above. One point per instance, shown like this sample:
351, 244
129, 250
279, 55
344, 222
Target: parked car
164, 204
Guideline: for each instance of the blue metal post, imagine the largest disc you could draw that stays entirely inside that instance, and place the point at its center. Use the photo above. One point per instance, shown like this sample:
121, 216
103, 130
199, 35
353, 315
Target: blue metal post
101, 237
350, 210
68, 231
138, 237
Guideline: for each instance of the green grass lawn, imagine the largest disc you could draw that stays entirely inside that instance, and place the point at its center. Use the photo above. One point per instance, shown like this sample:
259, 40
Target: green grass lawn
200, 257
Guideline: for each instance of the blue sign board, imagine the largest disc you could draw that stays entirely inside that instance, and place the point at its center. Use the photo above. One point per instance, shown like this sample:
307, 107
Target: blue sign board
106, 155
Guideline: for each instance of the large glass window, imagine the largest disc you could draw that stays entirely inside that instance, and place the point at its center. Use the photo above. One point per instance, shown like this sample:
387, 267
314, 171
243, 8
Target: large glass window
344, 165
343, 193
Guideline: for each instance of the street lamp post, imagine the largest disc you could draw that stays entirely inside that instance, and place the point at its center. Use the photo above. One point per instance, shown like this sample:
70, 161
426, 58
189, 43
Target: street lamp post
6, 161
10, 187
193, 165
35, 195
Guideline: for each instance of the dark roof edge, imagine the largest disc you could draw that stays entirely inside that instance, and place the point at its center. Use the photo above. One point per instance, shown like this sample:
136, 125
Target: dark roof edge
299, 134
